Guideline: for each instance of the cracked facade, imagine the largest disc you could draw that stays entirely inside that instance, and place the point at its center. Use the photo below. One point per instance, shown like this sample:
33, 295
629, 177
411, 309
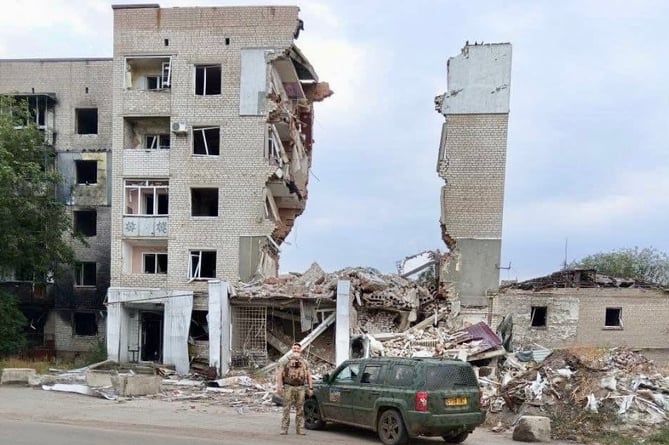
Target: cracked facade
472, 162
209, 114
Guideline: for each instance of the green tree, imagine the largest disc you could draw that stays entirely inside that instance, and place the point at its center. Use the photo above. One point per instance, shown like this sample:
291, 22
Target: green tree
647, 264
32, 220
12, 322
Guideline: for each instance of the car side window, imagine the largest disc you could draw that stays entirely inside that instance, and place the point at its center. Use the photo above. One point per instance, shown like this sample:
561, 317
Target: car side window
371, 374
401, 375
347, 374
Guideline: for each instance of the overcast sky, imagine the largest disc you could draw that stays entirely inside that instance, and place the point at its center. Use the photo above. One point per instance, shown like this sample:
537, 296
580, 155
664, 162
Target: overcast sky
587, 156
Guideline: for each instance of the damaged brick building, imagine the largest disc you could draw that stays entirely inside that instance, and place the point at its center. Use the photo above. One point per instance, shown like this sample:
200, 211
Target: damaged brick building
209, 114
71, 102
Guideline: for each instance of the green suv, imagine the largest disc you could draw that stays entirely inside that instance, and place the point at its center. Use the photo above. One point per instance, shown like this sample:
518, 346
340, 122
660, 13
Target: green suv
399, 398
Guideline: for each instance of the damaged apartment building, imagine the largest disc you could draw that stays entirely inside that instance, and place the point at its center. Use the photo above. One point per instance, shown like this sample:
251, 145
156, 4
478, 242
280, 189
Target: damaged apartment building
472, 163
212, 139
209, 114
70, 100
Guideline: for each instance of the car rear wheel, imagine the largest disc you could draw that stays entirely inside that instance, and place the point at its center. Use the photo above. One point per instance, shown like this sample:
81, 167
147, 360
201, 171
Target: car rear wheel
455, 437
391, 428
312, 415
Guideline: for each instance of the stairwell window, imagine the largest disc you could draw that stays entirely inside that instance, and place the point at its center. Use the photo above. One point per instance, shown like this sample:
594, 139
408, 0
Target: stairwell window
202, 264
207, 80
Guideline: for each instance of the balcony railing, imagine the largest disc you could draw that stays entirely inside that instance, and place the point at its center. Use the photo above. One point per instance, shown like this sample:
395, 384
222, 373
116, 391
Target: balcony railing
145, 225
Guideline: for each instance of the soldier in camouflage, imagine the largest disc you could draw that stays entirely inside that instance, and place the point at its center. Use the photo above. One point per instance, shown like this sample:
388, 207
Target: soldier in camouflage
291, 379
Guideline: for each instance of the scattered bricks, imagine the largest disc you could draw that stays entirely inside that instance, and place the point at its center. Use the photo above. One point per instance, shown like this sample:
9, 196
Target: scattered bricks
136, 385
17, 375
532, 429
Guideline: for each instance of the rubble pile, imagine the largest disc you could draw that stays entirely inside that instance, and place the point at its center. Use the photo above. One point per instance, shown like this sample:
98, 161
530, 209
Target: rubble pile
583, 391
370, 289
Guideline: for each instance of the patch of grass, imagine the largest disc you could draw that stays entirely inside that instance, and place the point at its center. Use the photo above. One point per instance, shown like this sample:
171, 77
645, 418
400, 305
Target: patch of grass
660, 438
40, 366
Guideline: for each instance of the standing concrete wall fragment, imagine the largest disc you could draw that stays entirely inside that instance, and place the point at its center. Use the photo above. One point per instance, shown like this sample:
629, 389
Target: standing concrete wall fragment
472, 162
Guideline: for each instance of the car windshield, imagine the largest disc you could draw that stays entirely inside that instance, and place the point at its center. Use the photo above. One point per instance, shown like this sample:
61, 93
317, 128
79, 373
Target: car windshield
448, 376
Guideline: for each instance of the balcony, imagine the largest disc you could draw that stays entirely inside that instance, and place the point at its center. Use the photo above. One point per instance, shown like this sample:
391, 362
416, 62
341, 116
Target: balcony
145, 225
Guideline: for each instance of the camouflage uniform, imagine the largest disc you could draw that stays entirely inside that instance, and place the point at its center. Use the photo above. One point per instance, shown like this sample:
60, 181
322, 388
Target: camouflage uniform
293, 395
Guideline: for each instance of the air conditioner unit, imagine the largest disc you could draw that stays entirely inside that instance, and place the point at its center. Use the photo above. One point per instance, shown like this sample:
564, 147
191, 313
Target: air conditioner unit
179, 128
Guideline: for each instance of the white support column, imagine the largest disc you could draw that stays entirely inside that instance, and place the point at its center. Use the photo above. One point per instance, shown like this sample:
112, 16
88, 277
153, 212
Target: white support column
178, 313
214, 323
343, 329
226, 328
219, 326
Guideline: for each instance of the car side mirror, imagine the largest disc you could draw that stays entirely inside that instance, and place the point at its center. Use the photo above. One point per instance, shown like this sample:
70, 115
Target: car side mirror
326, 377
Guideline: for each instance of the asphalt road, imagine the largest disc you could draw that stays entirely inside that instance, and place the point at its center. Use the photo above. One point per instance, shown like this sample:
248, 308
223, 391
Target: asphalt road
32, 416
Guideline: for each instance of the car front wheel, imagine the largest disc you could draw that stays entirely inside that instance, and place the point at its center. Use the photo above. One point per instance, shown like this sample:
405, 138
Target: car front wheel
312, 415
391, 428
455, 438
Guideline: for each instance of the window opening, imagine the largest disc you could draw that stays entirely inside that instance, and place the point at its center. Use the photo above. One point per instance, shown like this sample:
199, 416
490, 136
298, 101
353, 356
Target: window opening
85, 274
155, 263
157, 141
614, 317
87, 172
85, 222
206, 141
538, 316
85, 323
204, 202
146, 197
207, 80
87, 120
202, 264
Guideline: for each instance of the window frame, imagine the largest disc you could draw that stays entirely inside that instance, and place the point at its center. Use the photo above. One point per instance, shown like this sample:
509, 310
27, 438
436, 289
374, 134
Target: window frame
77, 226
79, 163
204, 191
142, 188
157, 141
533, 310
77, 120
156, 263
195, 270
204, 129
205, 67
78, 333
81, 274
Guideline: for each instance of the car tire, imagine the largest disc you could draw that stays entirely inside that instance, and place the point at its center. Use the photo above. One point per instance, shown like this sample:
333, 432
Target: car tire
455, 437
312, 415
391, 428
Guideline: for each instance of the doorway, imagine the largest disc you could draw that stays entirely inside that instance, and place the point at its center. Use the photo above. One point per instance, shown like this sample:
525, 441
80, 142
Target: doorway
152, 337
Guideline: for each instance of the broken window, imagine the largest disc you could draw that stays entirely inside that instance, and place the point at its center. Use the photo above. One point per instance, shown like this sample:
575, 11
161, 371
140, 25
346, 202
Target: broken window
85, 274
538, 316
85, 222
87, 172
146, 197
202, 264
87, 120
204, 202
148, 73
85, 323
207, 80
155, 263
157, 141
206, 141
614, 317
199, 326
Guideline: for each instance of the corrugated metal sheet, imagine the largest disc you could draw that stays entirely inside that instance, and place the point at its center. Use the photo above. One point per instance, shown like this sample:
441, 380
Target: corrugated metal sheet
481, 331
